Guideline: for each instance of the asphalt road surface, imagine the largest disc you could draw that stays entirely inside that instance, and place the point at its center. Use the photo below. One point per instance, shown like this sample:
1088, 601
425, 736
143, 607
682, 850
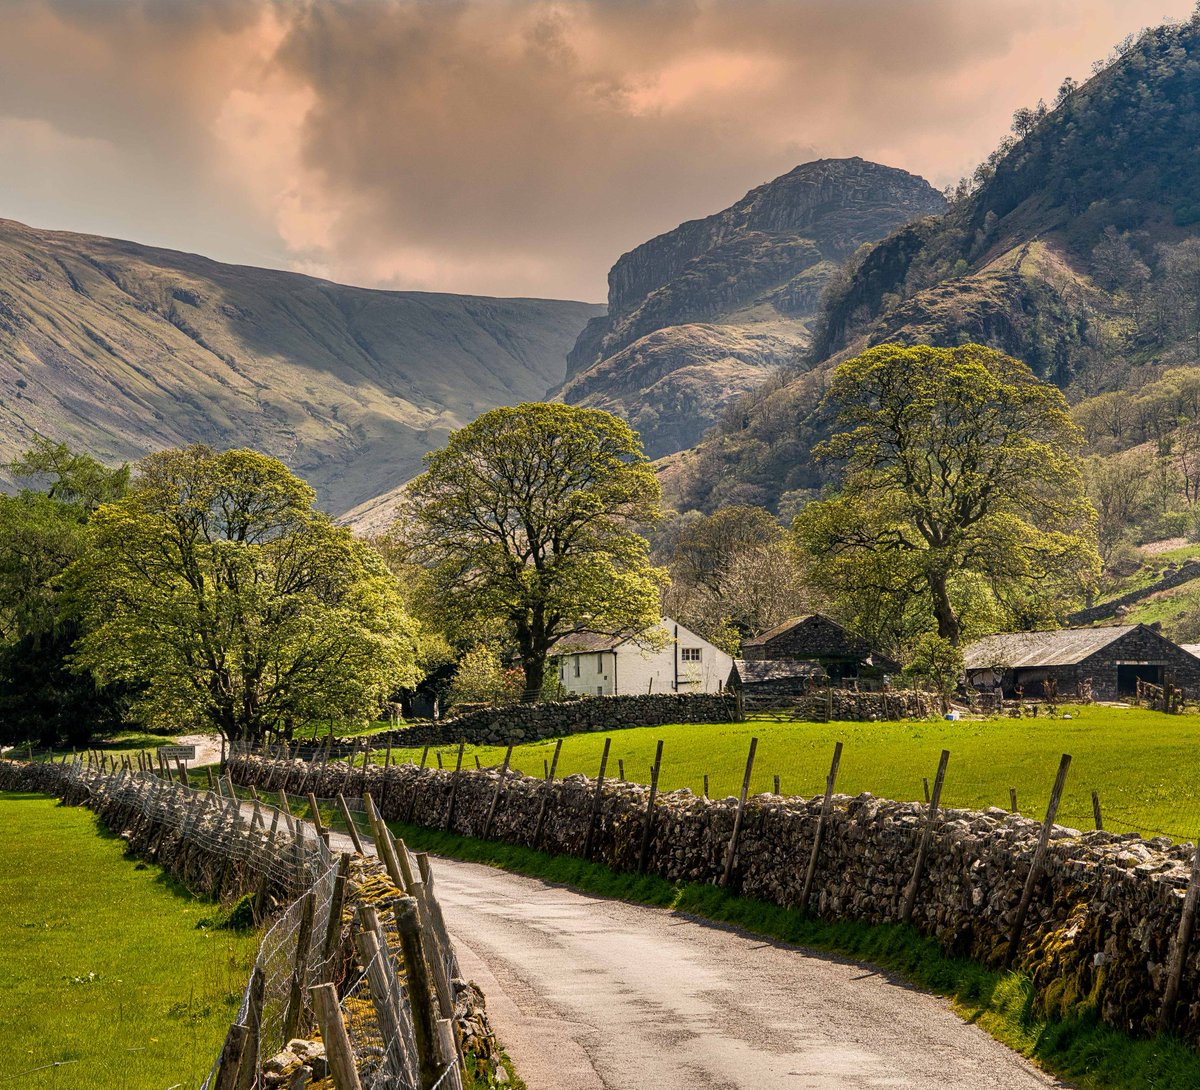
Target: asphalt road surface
592, 994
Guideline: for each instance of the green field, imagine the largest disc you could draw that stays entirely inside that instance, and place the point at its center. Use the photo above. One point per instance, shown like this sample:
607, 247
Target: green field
1144, 765
103, 967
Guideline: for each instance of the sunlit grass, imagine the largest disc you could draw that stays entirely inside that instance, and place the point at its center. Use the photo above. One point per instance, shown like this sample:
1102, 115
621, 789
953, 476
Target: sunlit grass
103, 967
1144, 765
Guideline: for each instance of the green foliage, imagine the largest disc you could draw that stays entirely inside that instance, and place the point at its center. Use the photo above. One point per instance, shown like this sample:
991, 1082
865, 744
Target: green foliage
217, 590
41, 534
529, 518
156, 993
734, 573
961, 474
482, 679
937, 662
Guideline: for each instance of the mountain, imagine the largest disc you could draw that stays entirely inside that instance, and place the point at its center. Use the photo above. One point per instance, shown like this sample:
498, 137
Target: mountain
118, 349
699, 316
1074, 248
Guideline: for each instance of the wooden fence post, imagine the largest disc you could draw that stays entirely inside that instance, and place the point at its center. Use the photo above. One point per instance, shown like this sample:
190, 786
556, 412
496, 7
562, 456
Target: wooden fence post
1035, 867
419, 994
777, 783
335, 1038
333, 928
648, 824
1012, 798
293, 1020
1096, 810
424, 757
318, 824
731, 850
820, 833
380, 985
706, 785
229, 1065
540, 828
925, 783
1183, 939
462, 745
591, 833
491, 814
348, 818
248, 1076
910, 894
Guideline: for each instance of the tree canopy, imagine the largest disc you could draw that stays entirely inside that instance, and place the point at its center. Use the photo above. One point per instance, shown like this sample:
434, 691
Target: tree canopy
961, 496
43, 531
530, 517
217, 590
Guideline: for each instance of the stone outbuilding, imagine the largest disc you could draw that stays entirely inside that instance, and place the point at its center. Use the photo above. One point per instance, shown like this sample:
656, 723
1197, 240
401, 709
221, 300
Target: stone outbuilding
1112, 658
842, 654
775, 677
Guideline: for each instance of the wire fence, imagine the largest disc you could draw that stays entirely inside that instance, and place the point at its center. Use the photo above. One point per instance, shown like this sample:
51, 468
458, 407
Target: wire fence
223, 842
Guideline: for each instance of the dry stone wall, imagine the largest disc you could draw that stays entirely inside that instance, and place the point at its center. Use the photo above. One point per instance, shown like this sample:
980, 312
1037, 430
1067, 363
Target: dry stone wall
533, 722
1100, 929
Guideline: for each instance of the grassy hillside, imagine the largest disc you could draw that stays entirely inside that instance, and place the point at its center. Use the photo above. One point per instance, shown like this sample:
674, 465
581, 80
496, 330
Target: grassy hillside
119, 349
105, 966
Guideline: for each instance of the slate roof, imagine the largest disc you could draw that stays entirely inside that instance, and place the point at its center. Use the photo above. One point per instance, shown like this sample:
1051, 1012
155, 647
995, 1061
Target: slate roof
771, 633
776, 669
1022, 650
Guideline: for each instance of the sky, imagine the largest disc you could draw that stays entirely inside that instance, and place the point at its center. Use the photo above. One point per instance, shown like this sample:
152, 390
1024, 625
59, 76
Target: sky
499, 147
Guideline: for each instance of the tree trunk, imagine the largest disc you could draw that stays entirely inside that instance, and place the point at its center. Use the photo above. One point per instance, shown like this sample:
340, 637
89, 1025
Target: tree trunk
534, 666
947, 619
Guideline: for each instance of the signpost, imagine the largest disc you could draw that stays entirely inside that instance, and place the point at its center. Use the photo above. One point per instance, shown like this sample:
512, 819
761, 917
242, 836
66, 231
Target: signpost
177, 753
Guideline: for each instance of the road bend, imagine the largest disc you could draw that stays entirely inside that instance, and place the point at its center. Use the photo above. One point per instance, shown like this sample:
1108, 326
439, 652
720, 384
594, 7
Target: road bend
587, 993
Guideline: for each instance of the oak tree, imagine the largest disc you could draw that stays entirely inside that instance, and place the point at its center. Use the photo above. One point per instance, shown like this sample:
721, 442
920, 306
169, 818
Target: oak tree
961, 470
217, 590
530, 517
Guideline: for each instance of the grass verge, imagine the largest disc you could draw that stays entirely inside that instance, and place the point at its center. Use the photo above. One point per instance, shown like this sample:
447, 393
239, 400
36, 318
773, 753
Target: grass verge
105, 966
1078, 1048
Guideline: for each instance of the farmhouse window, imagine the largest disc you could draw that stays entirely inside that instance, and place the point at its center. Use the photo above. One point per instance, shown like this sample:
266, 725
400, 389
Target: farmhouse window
575, 659
599, 662
691, 654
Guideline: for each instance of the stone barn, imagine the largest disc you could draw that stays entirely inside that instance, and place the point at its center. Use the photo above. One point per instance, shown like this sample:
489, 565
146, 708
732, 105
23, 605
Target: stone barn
1112, 658
775, 677
842, 654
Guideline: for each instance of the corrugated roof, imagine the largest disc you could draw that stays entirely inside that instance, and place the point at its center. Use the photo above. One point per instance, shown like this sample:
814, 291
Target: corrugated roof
1023, 650
776, 669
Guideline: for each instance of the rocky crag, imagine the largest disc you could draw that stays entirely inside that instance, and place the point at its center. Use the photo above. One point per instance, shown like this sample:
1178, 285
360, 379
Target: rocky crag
1073, 248
1101, 926
699, 316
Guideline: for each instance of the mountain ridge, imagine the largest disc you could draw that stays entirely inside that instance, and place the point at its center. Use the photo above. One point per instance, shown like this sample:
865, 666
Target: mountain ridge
121, 348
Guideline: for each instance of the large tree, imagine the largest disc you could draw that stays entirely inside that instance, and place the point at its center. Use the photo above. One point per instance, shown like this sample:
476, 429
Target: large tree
217, 589
530, 516
961, 476
43, 531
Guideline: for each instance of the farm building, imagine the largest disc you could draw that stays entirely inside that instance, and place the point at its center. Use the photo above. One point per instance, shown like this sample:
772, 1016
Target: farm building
1112, 658
775, 677
676, 660
817, 639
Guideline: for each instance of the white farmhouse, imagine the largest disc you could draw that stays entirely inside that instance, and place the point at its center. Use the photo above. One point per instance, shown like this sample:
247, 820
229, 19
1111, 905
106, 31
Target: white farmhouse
675, 661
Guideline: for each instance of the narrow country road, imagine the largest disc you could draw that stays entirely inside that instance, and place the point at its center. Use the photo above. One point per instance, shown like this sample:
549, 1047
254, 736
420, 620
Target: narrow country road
593, 994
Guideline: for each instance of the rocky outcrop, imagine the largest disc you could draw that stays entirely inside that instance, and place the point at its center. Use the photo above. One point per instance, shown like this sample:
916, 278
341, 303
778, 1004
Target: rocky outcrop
1099, 932
754, 272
